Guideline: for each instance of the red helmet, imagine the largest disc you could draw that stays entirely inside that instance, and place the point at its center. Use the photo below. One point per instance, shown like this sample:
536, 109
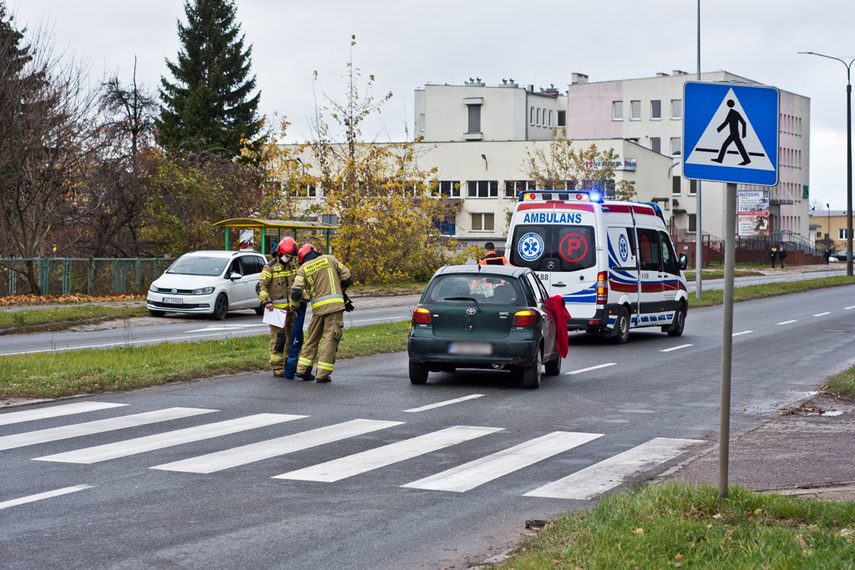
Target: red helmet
286, 247
304, 249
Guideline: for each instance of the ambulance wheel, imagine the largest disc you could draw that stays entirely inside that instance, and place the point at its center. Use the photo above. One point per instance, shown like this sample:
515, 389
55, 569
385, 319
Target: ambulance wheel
221, 307
679, 322
553, 368
531, 374
418, 372
621, 332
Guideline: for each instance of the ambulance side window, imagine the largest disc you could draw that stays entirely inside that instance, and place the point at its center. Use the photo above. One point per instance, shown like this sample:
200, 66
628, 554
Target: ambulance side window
669, 260
648, 250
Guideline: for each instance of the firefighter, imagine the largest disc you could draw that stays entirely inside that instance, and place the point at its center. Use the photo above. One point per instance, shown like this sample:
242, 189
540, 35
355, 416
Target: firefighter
323, 279
274, 290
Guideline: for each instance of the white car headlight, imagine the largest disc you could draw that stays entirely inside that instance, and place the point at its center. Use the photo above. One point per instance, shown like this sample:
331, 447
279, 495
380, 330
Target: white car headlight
152, 287
203, 291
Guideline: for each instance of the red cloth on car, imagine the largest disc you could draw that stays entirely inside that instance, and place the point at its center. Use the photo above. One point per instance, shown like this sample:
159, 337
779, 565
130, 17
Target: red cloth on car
558, 311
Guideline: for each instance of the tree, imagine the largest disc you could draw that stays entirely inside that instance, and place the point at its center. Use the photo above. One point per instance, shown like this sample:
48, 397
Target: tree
130, 111
46, 139
208, 106
563, 167
387, 216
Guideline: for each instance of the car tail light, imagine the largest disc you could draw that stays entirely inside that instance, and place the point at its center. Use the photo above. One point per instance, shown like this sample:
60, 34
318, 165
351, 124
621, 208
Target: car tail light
525, 318
602, 287
421, 316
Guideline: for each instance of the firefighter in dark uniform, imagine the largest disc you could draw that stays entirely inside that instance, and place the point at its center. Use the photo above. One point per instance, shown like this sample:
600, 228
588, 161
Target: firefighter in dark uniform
274, 290
324, 279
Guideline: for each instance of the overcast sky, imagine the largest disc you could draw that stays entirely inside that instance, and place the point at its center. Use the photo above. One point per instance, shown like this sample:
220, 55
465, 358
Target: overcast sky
406, 44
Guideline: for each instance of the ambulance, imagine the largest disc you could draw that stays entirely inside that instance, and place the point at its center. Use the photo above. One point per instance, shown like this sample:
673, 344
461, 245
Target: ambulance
612, 262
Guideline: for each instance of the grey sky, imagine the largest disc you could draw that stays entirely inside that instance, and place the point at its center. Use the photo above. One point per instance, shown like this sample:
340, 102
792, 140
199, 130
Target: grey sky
406, 44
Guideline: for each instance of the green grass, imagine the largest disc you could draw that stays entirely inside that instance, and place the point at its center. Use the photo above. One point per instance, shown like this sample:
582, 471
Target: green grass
62, 318
751, 292
126, 368
842, 383
676, 525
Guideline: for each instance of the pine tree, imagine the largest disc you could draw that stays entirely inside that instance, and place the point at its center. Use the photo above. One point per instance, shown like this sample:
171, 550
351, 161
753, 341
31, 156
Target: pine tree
208, 107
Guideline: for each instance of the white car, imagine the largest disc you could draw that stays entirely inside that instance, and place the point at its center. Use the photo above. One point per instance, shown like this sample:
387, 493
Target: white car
208, 282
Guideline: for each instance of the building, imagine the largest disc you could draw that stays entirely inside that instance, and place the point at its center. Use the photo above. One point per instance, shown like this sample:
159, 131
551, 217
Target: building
649, 111
828, 228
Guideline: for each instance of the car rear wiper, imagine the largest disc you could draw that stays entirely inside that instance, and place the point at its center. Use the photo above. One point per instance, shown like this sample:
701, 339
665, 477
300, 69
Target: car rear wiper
473, 299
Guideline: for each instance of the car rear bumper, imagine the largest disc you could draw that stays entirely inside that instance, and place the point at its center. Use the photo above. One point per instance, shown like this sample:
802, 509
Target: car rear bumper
508, 353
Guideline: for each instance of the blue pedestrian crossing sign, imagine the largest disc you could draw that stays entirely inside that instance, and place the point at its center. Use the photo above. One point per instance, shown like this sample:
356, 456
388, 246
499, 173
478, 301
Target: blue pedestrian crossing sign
730, 133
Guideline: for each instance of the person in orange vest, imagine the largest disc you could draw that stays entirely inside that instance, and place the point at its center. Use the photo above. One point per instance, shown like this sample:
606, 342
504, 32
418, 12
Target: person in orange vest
324, 278
274, 291
491, 257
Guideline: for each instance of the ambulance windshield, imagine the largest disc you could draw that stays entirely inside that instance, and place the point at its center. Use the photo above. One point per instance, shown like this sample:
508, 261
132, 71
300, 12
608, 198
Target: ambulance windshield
554, 247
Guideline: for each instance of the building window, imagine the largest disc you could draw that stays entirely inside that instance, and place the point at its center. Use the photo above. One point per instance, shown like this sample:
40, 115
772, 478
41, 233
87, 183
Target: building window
422, 122
676, 146
531, 116
693, 187
474, 118
841, 234
656, 144
676, 108
656, 110
450, 188
549, 124
482, 222
617, 110
635, 110
514, 187
483, 188
675, 185
693, 223
307, 190
538, 117
562, 118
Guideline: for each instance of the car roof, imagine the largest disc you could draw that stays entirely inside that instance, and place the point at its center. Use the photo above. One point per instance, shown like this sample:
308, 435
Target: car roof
219, 253
505, 270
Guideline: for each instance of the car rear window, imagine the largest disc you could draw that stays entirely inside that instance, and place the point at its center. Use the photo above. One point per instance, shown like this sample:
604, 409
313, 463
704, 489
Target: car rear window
489, 289
198, 265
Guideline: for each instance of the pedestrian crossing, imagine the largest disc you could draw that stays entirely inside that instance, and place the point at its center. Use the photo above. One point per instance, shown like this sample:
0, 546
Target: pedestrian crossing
583, 484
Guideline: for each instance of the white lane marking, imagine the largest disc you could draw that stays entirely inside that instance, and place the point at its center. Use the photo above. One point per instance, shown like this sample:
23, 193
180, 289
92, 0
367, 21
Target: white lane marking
351, 465
822, 314
475, 473
117, 449
742, 333
41, 496
609, 473
787, 322
97, 426
673, 348
445, 403
55, 412
253, 452
221, 328
850, 307
592, 368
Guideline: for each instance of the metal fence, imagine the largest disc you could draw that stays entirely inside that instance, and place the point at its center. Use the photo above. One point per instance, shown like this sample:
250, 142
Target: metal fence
71, 276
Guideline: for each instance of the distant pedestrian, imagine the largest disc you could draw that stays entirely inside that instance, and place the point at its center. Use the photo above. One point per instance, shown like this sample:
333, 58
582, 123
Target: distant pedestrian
782, 255
773, 254
491, 257
827, 255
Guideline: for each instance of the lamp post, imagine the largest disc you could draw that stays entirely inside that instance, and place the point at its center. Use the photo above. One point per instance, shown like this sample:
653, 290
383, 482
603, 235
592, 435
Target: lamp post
848, 156
828, 224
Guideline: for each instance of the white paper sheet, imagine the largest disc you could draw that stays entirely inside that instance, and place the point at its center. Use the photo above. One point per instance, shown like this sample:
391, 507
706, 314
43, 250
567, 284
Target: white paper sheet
276, 317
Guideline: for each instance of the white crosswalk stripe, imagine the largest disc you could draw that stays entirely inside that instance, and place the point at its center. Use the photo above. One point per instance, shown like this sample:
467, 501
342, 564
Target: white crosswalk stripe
43, 496
97, 426
351, 465
251, 453
54, 412
475, 473
162, 440
609, 473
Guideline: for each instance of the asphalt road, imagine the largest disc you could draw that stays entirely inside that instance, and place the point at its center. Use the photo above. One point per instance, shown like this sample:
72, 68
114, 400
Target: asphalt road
373, 472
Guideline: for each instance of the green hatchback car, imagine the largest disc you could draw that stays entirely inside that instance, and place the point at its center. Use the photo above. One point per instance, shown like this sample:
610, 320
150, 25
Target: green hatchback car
484, 316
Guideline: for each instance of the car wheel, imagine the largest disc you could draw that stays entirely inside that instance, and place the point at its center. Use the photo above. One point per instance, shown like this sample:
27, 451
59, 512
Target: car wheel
531, 374
679, 322
553, 368
221, 307
621, 333
154, 313
418, 372
259, 310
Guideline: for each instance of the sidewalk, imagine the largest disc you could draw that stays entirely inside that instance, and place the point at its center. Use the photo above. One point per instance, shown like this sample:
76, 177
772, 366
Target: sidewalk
803, 451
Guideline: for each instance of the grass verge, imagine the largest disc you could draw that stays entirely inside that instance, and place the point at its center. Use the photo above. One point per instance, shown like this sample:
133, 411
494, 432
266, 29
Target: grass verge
677, 525
131, 367
751, 292
63, 318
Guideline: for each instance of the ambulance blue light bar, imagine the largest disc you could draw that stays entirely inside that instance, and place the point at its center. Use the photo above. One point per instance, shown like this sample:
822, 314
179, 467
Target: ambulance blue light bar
562, 195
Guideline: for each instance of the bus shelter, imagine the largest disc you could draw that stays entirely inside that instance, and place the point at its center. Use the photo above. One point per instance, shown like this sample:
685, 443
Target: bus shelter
268, 227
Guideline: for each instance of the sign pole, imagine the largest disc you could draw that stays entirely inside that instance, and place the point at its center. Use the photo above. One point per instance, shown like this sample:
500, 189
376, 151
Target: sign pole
727, 337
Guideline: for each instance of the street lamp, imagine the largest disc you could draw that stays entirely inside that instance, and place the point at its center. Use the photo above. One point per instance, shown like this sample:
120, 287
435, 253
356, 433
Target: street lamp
828, 224
848, 157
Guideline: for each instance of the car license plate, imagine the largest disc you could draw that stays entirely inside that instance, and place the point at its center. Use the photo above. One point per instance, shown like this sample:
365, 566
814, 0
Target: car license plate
472, 348
173, 300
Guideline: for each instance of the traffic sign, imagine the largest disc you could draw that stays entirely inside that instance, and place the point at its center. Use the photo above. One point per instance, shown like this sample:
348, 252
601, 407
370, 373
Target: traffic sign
730, 133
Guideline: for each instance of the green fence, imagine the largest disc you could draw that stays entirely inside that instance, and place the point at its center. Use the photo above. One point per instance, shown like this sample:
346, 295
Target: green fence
71, 276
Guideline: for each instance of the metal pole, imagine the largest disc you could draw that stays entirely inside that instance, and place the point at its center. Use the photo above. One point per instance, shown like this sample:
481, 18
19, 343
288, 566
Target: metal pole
699, 234
848, 173
727, 337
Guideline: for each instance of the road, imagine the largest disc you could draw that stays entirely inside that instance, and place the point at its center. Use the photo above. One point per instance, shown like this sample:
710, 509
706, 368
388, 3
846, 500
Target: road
373, 472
